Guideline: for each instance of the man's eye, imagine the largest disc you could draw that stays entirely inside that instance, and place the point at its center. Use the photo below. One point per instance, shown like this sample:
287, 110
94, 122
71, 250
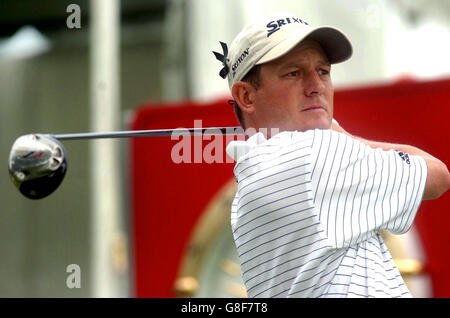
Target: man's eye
293, 73
324, 72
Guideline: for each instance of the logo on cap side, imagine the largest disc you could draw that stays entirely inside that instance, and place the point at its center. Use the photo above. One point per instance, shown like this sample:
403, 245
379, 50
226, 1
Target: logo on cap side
274, 26
240, 60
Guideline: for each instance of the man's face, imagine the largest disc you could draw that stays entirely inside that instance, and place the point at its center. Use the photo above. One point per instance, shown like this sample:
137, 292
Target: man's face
295, 92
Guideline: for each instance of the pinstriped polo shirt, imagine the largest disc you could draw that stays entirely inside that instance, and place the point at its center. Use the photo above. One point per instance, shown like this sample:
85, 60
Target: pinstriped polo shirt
308, 210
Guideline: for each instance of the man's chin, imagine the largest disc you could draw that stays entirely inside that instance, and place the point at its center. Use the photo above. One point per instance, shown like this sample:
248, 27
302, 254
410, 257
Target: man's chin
320, 123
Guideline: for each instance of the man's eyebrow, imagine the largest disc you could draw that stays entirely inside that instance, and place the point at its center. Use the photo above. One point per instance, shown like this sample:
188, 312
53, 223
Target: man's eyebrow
289, 65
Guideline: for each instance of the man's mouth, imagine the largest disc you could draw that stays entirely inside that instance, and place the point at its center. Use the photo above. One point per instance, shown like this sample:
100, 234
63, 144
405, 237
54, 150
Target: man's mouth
313, 108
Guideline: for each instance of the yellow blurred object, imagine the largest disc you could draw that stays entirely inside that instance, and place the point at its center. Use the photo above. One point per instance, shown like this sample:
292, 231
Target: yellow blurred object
186, 286
409, 266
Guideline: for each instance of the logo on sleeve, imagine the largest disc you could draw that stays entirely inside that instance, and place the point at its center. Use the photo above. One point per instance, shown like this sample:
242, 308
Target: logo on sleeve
404, 156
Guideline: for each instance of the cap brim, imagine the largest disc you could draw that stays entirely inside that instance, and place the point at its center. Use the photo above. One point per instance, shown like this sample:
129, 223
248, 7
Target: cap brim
335, 44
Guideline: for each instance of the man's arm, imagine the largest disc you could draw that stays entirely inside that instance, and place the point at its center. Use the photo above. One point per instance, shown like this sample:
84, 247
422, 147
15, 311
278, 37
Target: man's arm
438, 176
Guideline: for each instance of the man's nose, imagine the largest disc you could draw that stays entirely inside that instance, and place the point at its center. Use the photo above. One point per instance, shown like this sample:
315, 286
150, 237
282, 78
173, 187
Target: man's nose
312, 83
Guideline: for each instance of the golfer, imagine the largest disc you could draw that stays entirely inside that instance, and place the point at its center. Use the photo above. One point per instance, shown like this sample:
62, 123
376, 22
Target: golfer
311, 198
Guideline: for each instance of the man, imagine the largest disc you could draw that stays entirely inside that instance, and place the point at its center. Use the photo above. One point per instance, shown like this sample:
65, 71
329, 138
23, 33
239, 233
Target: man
311, 200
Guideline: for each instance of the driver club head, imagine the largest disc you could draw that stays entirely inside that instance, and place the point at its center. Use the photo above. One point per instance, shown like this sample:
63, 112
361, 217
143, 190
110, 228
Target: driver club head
37, 165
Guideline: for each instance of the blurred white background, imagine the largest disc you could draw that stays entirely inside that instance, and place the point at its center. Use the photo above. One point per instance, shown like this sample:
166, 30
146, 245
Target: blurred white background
391, 38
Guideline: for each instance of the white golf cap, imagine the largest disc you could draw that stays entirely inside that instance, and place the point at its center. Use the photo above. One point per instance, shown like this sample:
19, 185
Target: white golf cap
268, 38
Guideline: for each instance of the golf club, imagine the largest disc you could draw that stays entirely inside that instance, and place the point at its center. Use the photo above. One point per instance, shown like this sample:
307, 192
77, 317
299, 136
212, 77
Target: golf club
38, 162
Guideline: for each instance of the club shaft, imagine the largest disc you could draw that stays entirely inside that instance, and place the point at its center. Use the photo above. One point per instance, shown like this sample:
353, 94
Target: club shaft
152, 133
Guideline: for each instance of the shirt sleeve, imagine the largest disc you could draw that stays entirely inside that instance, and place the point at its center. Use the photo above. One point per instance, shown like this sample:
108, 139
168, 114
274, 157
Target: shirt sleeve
359, 190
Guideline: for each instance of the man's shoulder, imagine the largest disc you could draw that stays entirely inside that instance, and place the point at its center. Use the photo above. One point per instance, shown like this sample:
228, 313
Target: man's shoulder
258, 145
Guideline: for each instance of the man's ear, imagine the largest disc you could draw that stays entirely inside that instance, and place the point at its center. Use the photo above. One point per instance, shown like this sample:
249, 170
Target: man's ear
243, 94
